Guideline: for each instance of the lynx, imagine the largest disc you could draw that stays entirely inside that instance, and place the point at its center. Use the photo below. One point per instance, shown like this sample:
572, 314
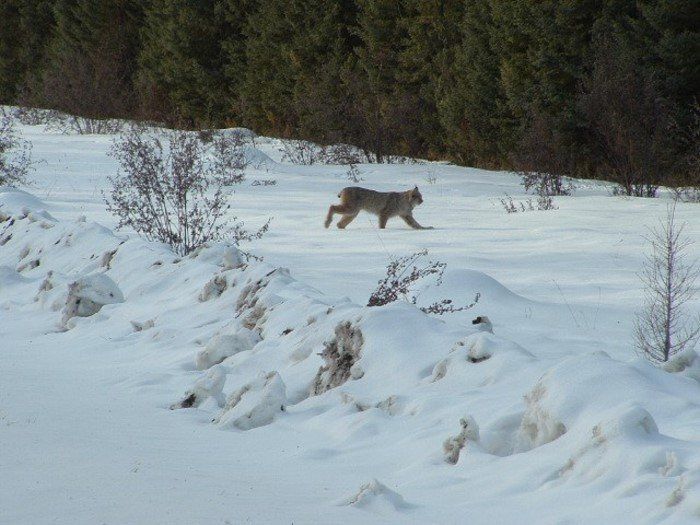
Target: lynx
384, 204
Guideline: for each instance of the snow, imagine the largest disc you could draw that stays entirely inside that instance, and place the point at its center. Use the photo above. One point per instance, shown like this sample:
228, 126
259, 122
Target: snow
292, 401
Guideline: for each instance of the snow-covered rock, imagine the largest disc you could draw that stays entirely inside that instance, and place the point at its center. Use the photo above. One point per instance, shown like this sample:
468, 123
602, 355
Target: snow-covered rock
255, 404
88, 294
209, 385
376, 497
222, 346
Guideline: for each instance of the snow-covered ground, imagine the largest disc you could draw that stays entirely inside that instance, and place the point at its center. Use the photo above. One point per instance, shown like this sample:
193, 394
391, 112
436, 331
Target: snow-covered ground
550, 419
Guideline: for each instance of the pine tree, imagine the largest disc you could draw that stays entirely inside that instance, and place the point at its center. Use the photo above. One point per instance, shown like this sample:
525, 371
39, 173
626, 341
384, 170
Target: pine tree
382, 113
91, 58
426, 66
182, 75
321, 49
266, 91
669, 32
468, 107
24, 33
10, 38
296, 51
542, 55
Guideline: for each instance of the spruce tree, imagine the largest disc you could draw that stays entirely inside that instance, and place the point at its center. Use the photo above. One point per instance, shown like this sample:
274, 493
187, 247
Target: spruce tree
10, 38
24, 33
383, 115
91, 58
469, 107
296, 52
190, 61
426, 65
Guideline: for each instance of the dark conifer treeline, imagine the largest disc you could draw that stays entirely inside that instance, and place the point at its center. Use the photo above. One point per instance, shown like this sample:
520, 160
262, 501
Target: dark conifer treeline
572, 85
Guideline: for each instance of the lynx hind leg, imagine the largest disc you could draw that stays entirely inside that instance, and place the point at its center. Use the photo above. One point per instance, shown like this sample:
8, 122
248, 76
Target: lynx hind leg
347, 219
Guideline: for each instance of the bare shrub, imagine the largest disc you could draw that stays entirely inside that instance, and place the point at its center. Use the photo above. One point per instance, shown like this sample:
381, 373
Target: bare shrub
73, 124
402, 275
541, 158
30, 116
628, 121
301, 152
353, 174
508, 204
663, 327
173, 190
342, 154
15, 154
228, 160
543, 203
687, 188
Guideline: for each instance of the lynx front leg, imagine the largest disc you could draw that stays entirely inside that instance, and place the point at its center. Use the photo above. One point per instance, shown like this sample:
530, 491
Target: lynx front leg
332, 211
413, 223
347, 219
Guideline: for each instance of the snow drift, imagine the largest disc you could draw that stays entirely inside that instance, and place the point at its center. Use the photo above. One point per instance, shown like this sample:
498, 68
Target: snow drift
389, 379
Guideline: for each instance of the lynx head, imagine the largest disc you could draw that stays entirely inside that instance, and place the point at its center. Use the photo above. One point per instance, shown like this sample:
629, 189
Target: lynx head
414, 197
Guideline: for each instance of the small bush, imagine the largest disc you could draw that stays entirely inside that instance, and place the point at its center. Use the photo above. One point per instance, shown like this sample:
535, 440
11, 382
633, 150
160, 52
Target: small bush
402, 274
15, 154
353, 174
301, 152
543, 203
72, 124
174, 190
342, 154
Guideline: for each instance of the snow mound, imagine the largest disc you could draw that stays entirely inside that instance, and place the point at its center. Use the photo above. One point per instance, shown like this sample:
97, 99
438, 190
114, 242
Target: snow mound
538, 425
209, 385
453, 446
87, 296
213, 288
256, 158
376, 497
224, 255
222, 346
494, 357
255, 404
15, 201
389, 381
686, 363
462, 286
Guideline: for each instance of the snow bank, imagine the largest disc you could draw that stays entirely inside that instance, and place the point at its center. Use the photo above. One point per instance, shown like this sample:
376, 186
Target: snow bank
87, 295
209, 385
222, 346
255, 404
389, 380
376, 497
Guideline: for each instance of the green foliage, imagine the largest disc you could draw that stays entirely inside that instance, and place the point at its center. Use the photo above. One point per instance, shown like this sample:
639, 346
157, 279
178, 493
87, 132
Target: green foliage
190, 53
90, 58
497, 83
24, 33
10, 38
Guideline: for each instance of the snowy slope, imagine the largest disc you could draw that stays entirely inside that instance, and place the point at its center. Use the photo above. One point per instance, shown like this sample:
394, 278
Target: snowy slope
557, 417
